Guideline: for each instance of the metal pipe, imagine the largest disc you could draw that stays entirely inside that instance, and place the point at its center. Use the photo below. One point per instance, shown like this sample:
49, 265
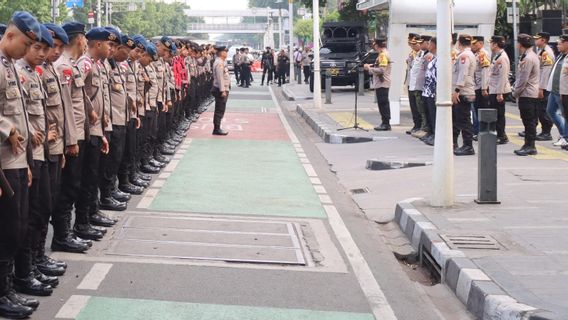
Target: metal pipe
316, 37
291, 27
443, 167
515, 32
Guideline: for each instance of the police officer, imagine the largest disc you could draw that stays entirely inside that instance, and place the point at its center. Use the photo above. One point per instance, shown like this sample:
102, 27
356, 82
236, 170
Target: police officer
267, 63
90, 65
483, 62
27, 279
546, 56
245, 68
526, 91
221, 88
111, 198
128, 167
416, 84
499, 86
22, 32
150, 125
166, 47
237, 65
73, 98
463, 96
414, 49
61, 120
381, 72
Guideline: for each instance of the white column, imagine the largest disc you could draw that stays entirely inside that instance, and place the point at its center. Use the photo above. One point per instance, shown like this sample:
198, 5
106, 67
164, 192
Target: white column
443, 171
515, 32
291, 26
280, 29
316, 36
99, 13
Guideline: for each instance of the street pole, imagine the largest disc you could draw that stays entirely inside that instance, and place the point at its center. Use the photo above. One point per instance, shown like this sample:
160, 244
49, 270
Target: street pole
280, 29
291, 26
316, 37
98, 13
443, 171
515, 32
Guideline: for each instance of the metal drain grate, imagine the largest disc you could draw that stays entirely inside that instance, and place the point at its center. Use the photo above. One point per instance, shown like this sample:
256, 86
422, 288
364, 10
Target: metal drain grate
471, 241
359, 191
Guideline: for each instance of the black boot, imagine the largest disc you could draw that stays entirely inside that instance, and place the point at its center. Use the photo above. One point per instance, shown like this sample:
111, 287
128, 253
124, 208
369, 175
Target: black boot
220, 132
528, 149
30, 285
48, 268
47, 280
68, 244
131, 189
85, 231
13, 310
120, 196
101, 220
464, 151
26, 302
111, 204
385, 126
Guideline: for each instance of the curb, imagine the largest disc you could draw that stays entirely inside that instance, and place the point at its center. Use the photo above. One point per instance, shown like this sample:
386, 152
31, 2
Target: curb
291, 97
484, 298
326, 133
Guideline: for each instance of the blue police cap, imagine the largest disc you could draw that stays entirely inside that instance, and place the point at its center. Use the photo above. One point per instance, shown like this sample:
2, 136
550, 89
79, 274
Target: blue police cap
46, 35
27, 24
100, 34
73, 28
168, 43
139, 41
2, 29
117, 34
127, 41
152, 50
57, 32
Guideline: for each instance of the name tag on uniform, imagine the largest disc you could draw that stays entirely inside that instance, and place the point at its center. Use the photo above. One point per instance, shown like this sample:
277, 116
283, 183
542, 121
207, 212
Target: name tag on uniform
12, 93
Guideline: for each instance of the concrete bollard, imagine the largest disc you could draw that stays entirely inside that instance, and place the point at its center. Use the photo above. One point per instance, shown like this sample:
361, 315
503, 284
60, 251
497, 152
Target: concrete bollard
487, 167
361, 81
327, 88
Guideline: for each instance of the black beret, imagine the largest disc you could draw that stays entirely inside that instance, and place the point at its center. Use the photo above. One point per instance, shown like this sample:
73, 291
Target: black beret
525, 40
27, 24
477, 39
57, 32
497, 39
46, 35
72, 28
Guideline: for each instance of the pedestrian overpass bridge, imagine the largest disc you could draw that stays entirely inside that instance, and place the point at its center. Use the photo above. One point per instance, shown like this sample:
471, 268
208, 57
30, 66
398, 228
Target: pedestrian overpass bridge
231, 21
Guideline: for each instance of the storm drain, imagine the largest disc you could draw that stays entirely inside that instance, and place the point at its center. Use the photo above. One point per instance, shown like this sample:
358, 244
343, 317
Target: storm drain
359, 191
216, 239
471, 241
377, 165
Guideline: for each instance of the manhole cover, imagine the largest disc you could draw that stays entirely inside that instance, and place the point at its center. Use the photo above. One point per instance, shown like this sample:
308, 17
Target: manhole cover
359, 191
471, 241
219, 239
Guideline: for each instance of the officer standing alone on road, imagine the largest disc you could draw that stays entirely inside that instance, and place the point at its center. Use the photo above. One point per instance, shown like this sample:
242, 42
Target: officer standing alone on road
221, 87
526, 92
381, 72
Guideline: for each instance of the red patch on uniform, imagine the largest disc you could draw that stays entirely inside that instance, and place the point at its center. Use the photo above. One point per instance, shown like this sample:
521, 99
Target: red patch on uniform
462, 60
87, 66
67, 74
39, 71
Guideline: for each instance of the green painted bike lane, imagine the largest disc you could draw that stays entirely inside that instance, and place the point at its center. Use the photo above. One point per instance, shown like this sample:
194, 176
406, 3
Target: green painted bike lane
243, 175
255, 171
131, 309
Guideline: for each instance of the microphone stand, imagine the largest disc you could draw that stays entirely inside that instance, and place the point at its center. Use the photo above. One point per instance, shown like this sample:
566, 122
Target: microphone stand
358, 65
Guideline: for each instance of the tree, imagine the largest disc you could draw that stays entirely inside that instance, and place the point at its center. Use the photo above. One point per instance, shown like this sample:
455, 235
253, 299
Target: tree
303, 29
41, 9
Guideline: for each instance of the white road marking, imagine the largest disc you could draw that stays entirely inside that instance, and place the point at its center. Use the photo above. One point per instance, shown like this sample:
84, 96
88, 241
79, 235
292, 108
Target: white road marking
310, 170
375, 296
320, 189
301, 155
315, 180
95, 277
304, 160
73, 307
165, 175
325, 199
158, 183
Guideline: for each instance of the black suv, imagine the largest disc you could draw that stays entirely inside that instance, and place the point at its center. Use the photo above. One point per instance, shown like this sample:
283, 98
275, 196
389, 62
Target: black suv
343, 46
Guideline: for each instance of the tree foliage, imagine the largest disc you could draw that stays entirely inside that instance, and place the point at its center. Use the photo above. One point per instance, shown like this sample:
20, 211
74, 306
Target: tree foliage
39, 8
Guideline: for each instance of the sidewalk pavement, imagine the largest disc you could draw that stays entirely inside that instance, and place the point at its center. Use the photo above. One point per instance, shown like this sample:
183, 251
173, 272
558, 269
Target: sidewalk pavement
505, 261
